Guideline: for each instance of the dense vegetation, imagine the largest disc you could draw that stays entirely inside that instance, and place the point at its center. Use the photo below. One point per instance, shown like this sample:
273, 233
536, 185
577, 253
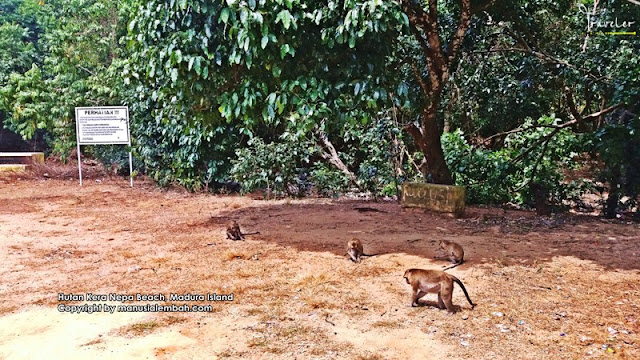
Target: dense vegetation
510, 98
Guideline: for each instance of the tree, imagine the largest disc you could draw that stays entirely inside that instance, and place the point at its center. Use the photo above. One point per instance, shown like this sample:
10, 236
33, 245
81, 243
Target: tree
536, 58
241, 69
80, 39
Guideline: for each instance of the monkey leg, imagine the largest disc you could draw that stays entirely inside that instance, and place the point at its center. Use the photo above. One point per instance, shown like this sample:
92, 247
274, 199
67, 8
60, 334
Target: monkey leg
416, 297
440, 302
447, 294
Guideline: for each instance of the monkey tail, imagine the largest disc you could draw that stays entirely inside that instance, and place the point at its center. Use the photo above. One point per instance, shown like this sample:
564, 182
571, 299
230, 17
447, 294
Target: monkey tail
376, 254
452, 266
251, 233
463, 289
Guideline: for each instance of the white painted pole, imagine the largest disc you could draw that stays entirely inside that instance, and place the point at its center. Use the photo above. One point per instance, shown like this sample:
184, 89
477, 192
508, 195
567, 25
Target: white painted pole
130, 169
79, 164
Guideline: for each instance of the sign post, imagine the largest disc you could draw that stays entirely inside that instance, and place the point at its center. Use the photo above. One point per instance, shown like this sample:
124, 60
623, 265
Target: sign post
105, 125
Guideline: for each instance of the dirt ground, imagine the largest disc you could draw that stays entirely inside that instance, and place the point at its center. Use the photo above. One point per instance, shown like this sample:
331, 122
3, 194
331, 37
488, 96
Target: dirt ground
562, 287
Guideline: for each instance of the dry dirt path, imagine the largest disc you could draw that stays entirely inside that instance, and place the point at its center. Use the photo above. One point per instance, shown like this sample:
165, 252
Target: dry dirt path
558, 287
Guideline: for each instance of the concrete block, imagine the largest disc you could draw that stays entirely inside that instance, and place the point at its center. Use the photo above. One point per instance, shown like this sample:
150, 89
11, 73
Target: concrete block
442, 198
12, 167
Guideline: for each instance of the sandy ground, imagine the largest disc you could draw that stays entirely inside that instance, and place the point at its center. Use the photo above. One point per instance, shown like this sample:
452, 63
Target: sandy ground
564, 287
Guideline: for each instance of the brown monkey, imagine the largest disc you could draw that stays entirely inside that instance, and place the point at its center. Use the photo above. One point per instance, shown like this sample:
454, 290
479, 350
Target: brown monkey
453, 252
434, 281
234, 233
355, 250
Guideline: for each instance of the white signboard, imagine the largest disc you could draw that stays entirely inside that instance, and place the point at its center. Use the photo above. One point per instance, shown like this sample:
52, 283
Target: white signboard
102, 125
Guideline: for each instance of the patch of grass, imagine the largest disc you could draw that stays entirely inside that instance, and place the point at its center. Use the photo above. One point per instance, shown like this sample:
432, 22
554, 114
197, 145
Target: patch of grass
173, 319
232, 354
254, 311
370, 357
258, 341
313, 281
235, 255
139, 328
387, 324
93, 342
128, 254
315, 303
6, 309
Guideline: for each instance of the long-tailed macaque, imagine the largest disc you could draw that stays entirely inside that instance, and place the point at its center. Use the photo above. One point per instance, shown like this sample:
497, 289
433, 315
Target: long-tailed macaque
453, 252
355, 250
434, 281
234, 233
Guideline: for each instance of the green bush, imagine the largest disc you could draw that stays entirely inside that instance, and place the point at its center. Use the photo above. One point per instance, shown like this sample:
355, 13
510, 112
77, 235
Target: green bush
506, 175
279, 168
485, 173
618, 147
327, 181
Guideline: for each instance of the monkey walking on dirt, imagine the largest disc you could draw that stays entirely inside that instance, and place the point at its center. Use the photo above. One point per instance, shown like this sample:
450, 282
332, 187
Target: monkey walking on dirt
434, 281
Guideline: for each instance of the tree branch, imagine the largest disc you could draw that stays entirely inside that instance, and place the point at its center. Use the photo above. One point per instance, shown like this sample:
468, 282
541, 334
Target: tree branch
413, 130
573, 110
429, 26
516, 130
544, 57
544, 139
418, 76
85, 69
463, 25
332, 155
595, 115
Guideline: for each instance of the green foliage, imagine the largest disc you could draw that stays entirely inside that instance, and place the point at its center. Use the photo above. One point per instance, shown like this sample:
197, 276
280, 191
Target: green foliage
25, 97
618, 147
277, 167
293, 165
80, 38
16, 53
506, 175
520, 56
371, 149
261, 68
178, 152
245, 88
327, 181
483, 172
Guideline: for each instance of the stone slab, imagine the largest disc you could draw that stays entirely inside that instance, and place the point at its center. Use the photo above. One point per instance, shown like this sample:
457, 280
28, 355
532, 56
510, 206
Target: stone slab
23, 157
442, 198
12, 167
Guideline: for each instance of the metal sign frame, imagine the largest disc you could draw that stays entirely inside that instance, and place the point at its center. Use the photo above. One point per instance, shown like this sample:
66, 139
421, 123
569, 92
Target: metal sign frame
103, 110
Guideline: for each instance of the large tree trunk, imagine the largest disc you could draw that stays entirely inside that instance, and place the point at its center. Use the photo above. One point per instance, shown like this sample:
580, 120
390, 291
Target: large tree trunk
428, 141
423, 23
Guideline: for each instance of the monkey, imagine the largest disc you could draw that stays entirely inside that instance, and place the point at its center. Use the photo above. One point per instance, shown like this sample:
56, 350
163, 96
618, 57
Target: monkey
434, 281
453, 252
234, 233
355, 250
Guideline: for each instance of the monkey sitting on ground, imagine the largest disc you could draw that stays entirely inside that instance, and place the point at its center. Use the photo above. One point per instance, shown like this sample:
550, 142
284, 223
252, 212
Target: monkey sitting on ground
434, 281
355, 250
234, 233
453, 252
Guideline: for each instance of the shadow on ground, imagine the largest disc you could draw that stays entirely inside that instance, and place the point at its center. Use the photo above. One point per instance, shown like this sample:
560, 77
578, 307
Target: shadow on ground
487, 235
